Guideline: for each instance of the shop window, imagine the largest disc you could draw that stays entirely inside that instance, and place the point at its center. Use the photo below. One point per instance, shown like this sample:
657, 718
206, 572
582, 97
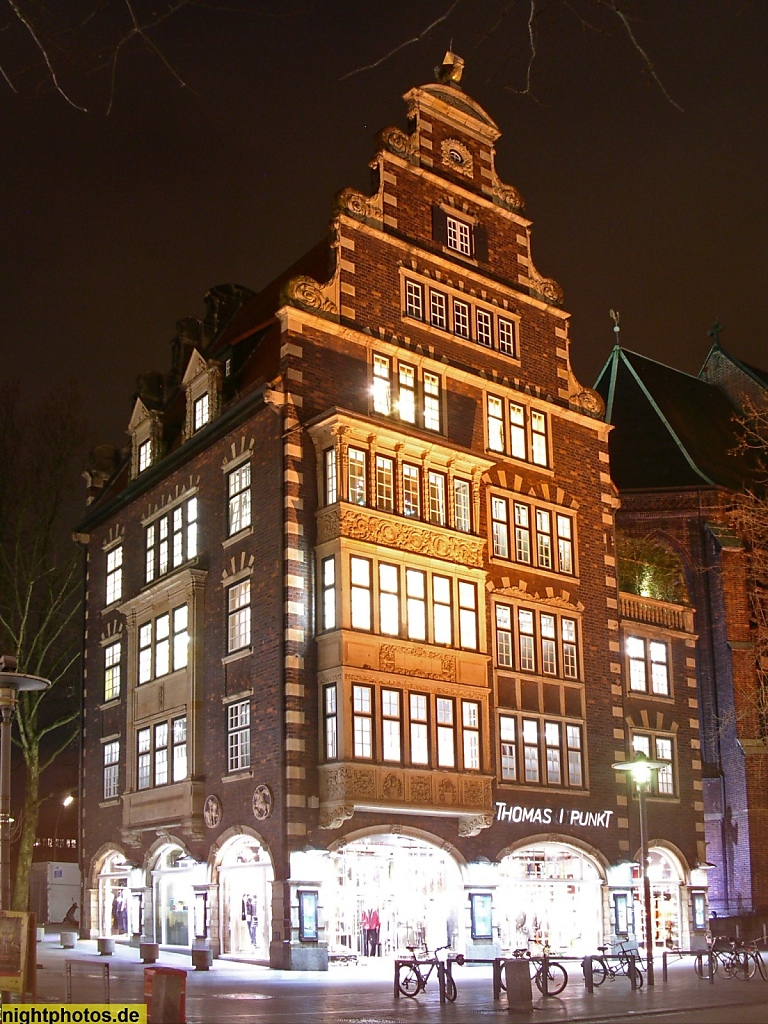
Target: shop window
112, 672
171, 540
330, 722
239, 616
658, 748
239, 736
114, 590
111, 755
239, 499
328, 598
648, 664
362, 721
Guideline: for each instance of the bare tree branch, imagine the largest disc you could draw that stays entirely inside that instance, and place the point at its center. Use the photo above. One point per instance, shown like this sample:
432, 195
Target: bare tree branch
649, 66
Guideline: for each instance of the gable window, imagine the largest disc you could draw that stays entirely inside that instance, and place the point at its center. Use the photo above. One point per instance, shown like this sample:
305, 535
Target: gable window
461, 318
239, 498
331, 479
111, 755
112, 672
201, 411
382, 384
239, 616
328, 583
356, 476
330, 722
484, 328
171, 540
647, 662
459, 235
239, 736
411, 500
144, 455
461, 505
506, 336
438, 310
414, 299
114, 574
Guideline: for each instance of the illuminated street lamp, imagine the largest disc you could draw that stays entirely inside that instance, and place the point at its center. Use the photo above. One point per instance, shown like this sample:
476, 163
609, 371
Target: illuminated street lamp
11, 684
640, 769
66, 802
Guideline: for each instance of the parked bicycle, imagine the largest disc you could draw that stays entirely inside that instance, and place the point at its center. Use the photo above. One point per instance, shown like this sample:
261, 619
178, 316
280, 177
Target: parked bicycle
624, 962
730, 959
415, 974
556, 974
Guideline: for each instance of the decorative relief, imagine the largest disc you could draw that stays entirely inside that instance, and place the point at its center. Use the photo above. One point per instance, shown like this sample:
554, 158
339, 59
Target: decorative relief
421, 789
456, 156
392, 787
522, 593
586, 400
545, 288
262, 803
364, 784
473, 826
334, 817
306, 293
396, 141
357, 205
507, 196
336, 783
212, 811
474, 792
446, 792
417, 661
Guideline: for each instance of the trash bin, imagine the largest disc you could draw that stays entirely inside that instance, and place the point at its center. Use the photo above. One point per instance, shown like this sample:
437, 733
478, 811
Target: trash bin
165, 995
517, 977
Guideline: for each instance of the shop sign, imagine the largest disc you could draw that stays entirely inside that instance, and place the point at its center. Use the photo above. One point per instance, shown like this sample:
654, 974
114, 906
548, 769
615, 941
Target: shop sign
517, 815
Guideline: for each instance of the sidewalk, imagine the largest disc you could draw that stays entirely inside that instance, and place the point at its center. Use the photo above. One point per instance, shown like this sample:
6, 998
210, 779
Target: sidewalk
363, 993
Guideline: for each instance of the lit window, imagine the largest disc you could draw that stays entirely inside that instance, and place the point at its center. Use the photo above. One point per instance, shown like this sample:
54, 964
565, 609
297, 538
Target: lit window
419, 732
415, 600
525, 630
647, 659
507, 736
172, 539
635, 649
362, 721
360, 592
149, 570
145, 455
495, 424
239, 616
462, 509
180, 637
438, 309
239, 498
389, 600
163, 645
553, 753
459, 236
356, 461
442, 614
385, 483
446, 733
391, 738
467, 615
573, 750
112, 672
331, 479
658, 748
517, 430
570, 658
436, 483
161, 754
411, 502
500, 527
115, 574
144, 759
538, 438
431, 401
331, 723
414, 300
544, 538
484, 328
406, 405
111, 769
201, 410
548, 645
382, 386
145, 652
239, 736
504, 635
531, 749
470, 715
522, 533
506, 337
179, 755
659, 673
564, 544
328, 576
461, 318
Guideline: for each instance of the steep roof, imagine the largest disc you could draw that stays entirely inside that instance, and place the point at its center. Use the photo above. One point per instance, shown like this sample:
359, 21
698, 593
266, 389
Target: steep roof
671, 430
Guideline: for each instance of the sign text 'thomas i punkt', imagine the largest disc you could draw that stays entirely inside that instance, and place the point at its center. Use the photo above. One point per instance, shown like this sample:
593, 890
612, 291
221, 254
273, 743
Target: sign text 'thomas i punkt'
515, 814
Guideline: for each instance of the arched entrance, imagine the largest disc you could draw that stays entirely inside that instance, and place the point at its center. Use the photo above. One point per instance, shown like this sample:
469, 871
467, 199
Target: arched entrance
389, 891
550, 892
173, 875
113, 896
666, 877
245, 894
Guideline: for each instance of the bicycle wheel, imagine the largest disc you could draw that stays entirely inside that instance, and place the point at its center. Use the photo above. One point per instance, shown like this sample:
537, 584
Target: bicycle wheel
450, 988
724, 965
409, 982
598, 972
744, 965
557, 979
701, 966
638, 975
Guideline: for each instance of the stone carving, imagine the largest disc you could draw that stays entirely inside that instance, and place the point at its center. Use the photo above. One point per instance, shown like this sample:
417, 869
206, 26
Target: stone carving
396, 141
508, 196
417, 661
421, 789
545, 288
334, 817
357, 205
473, 792
585, 399
523, 594
364, 783
262, 803
456, 156
473, 826
446, 792
392, 787
336, 783
212, 811
307, 294
132, 838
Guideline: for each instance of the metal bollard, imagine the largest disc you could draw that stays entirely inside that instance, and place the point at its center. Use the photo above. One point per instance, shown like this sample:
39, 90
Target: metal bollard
586, 966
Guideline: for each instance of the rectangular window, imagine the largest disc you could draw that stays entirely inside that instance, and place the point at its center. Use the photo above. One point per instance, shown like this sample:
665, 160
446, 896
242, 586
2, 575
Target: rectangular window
531, 749
112, 672
180, 637
522, 533
517, 430
385, 483
468, 615
391, 738
544, 538
179, 739
647, 660
507, 737
462, 508
500, 527
356, 476
360, 593
553, 753
239, 736
162, 645
538, 438
564, 544
570, 655
406, 405
573, 749
438, 310
431, 401
382, 384
144, 455
470, 723
419, 730
411, 499
446, 733
163, 556
635, 649
548, 645
149, 563
659, 674
239, 616
114, 574
495, 416
330, 721
460, 318
111, 769
484, 325
506, 336
145, 652
161, 651
362, 721
442, 614
389, 600
328, 583
144, 759
239, 502
659, 748
172, 540
201, 411
436, 483
459, 236
331, 477
525, 631
414, 300
415, 602
504, 635
161, 754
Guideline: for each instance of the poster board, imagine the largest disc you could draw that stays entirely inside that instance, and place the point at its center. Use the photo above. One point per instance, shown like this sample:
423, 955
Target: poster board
16, 943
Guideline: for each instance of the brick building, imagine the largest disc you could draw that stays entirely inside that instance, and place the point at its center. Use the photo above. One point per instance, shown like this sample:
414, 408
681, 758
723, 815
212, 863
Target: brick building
675, 460
356, 655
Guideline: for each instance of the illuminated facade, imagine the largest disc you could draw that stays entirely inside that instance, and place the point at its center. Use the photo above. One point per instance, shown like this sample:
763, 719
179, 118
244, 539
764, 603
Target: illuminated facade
356, 654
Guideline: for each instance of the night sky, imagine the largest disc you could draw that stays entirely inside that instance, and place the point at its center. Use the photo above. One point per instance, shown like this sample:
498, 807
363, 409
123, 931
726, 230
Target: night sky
115, 226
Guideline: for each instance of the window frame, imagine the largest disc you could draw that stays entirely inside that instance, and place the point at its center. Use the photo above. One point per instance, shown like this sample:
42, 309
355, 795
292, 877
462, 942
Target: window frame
239, 616
239, 505
238, 729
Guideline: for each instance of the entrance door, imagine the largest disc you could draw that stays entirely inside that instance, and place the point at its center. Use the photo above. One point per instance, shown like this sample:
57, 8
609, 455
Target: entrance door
245, 875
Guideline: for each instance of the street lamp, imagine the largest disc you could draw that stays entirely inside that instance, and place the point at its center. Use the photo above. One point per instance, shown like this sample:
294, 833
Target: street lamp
640, 769
66, 802
11, 684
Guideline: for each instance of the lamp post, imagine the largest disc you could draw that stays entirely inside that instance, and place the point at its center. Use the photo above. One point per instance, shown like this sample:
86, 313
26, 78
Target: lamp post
11, 684
640, 769
66, 802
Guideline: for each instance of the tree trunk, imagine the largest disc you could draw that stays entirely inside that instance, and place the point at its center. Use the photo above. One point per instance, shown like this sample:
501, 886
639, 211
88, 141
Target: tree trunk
29, 818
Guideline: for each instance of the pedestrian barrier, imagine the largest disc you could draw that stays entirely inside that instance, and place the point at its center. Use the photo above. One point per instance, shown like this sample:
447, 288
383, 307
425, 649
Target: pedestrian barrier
705, 969
85, 969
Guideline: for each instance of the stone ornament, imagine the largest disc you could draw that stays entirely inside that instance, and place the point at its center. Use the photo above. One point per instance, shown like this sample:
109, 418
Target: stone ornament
545, 287
357, 205
212, 811
262, 803
306, 293
396, 141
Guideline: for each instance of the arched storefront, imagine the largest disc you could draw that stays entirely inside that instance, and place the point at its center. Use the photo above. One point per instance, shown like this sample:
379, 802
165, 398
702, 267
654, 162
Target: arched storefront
245, 893
385, 892
550, 892
174, 875
113, 896
666, 877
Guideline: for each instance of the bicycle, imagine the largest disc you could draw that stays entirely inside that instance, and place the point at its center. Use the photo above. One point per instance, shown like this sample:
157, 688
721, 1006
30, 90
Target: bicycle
728, 960
413, 976
557, 976
748, 961
603, 968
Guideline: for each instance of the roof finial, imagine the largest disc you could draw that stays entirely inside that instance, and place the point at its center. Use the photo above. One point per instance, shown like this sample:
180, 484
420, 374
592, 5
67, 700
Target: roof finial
451, 69
714, 332
616, 328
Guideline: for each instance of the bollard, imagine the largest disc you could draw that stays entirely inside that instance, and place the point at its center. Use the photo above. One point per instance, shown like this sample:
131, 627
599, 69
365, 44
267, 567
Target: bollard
518, 980
68, 939
586, 966
105, 946
165, 992
202, 959
149, 952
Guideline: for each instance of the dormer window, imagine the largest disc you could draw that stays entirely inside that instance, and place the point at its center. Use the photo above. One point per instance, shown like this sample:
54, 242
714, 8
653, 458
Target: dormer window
144, 455
202, 382
201, 411
459, 236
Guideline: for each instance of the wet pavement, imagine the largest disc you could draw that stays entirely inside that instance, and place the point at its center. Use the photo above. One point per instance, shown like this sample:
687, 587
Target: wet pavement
363, 993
